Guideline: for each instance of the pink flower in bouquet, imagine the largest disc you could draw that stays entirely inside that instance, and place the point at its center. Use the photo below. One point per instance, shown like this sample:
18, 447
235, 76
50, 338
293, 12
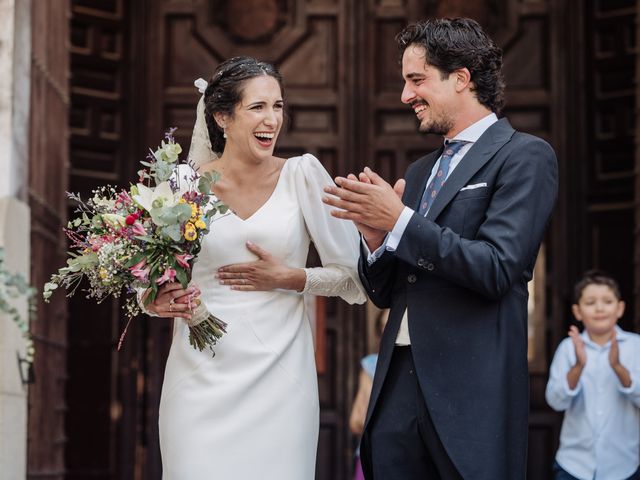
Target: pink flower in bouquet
140, 270
96, 242
124, 197
183, 259
168, 276
138, 229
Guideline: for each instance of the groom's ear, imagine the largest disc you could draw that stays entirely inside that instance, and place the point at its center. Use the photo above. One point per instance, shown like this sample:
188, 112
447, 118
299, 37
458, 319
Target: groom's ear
463, 78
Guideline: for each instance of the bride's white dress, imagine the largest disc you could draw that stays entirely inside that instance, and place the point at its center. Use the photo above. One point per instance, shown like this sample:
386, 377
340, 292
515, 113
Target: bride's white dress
251, 412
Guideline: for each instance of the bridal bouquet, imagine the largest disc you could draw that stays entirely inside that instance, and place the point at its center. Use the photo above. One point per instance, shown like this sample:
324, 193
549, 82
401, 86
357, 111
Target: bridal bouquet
135, 240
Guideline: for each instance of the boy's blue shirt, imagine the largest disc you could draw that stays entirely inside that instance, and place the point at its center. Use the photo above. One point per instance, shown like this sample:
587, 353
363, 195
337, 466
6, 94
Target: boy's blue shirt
600, 435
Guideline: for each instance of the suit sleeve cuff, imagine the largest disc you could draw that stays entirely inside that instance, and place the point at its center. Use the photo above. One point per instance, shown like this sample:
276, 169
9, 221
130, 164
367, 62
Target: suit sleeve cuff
393, 239
377, 253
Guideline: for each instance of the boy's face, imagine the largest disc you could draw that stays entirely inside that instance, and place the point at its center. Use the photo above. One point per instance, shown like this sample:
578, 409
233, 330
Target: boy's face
598, 309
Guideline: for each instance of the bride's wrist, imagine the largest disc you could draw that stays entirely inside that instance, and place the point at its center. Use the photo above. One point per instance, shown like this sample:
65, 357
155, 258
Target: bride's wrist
294, 279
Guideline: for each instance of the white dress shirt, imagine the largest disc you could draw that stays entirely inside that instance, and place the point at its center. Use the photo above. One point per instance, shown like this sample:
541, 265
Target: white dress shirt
469, 135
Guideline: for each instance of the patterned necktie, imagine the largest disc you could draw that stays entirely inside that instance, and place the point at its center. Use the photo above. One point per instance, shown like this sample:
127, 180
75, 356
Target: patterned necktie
430, 193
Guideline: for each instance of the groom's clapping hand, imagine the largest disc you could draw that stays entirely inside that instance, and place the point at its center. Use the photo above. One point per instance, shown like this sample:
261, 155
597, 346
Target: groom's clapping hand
369, 201
372, 236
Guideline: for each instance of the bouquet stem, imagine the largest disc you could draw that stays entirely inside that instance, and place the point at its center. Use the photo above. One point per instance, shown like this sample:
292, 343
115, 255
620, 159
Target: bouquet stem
205, 329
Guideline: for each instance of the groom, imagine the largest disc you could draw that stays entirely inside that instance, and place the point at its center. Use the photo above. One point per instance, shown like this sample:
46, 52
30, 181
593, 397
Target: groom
452, 259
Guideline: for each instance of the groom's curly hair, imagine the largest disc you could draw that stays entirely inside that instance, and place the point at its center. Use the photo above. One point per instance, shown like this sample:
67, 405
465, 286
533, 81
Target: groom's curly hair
454, 43
224, 91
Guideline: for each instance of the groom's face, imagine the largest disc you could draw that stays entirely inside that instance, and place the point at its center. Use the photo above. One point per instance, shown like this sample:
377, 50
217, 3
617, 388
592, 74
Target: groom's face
431, 96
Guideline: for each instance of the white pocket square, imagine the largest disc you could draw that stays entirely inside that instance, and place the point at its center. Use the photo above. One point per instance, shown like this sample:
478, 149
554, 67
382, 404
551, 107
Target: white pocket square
474, 186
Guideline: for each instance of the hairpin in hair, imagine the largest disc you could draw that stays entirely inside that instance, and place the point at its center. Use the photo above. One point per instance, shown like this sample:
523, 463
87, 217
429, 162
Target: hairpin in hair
201, 84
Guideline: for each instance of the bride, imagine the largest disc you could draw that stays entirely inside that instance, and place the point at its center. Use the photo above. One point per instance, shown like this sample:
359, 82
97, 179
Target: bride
252, 411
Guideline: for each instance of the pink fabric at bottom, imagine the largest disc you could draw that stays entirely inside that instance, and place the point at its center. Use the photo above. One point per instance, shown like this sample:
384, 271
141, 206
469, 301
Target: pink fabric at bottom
358, 474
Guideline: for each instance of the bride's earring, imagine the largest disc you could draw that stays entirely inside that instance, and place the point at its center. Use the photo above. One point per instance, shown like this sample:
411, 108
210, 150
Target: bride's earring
224, 133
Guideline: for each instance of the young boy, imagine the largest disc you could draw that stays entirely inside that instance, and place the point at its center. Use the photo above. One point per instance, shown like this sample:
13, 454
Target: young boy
595, 379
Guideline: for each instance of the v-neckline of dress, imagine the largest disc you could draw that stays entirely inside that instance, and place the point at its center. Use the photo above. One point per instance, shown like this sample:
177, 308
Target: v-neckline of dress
268, 200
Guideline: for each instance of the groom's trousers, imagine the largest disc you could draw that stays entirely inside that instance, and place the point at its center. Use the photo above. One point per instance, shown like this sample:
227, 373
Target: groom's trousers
403, 441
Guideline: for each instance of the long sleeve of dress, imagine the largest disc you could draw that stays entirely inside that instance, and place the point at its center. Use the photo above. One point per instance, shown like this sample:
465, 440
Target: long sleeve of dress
337, 241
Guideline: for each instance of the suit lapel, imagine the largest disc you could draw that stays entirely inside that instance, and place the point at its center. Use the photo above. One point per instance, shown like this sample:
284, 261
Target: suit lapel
417, 183
480, 153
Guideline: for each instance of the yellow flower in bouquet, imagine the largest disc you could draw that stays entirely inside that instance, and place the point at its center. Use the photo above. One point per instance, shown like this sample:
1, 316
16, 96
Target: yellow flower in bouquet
190, 232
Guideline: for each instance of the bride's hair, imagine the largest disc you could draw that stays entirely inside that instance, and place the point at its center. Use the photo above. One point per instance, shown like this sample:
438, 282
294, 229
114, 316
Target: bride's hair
224, 91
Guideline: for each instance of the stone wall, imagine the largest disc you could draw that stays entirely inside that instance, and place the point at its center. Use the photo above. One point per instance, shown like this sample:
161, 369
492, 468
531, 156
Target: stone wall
15, 63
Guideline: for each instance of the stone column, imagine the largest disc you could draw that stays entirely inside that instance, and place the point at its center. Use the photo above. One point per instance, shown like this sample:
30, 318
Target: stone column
15, 65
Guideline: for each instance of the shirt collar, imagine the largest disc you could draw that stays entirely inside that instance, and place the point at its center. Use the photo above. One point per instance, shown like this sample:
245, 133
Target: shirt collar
474, 131
621, 335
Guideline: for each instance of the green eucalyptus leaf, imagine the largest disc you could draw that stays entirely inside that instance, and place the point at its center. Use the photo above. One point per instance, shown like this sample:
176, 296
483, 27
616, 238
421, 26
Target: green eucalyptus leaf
163, 171
172, 232
163, 218
204, 185
182, 211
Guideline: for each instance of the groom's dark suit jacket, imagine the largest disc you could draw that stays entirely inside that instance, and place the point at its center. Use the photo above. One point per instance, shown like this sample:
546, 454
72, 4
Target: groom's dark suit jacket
462, 273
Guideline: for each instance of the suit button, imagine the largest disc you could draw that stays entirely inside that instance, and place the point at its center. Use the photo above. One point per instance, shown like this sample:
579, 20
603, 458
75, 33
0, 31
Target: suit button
431, 267
421, 262
412, 278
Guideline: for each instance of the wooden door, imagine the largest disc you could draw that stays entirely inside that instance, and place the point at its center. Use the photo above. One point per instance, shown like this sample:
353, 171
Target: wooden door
310, 42
594, 47
48, 153
609, 166
104, 401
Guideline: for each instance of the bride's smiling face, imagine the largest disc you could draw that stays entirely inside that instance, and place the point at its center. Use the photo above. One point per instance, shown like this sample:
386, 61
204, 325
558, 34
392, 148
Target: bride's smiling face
257, 119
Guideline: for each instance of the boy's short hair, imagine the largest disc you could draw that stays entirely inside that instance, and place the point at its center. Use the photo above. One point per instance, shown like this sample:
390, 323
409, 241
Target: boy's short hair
595, 277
